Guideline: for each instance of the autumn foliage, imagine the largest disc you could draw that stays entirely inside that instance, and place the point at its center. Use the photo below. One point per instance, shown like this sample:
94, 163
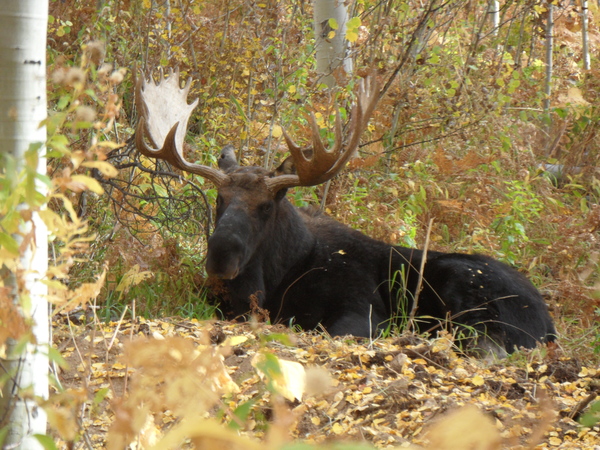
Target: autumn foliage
458, 148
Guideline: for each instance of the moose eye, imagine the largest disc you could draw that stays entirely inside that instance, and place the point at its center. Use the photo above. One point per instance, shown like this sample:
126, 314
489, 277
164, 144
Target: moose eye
266, 208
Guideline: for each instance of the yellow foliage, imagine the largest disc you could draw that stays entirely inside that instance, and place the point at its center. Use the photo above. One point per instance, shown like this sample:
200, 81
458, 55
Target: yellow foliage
183, 379
466, 428
133, 277
290, 382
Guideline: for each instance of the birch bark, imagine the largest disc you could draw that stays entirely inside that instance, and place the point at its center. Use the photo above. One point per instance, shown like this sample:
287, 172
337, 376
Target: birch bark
331, 44
23, 25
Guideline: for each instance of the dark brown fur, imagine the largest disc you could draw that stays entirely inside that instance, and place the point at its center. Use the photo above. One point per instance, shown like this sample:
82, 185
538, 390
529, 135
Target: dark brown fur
307, 269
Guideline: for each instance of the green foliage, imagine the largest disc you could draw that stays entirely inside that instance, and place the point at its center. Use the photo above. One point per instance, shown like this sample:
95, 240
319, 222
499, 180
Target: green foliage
520, 207
161, 295
595, 342
269, 366
400, 320
592, 417
46, 441
241, 414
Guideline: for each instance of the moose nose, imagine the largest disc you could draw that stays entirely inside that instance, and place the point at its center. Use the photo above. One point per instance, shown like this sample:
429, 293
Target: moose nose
224, 257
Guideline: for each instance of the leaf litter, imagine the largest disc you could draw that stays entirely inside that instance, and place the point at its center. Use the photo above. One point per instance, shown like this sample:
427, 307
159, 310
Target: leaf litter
189, 384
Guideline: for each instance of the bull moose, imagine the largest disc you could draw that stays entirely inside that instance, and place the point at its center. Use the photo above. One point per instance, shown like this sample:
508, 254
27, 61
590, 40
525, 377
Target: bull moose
305, 268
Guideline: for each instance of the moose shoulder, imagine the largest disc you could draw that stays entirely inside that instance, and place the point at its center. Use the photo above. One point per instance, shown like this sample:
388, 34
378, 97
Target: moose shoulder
305, 268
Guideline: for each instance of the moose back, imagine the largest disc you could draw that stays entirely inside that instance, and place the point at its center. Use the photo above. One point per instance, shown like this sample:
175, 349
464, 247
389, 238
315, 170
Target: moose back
307, 269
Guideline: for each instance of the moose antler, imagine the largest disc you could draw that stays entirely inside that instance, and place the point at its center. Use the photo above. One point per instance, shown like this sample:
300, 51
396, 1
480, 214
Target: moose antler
164, 114
319, 165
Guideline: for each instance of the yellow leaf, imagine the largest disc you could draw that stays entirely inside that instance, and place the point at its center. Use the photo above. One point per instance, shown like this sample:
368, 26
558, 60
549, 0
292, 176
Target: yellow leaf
89, 182
109, 144
133, 277
554, 441
315, 421
465, 428
208, 430
573, 97
277, 132
351, 36
477, 380
337, 428
63, 420
291, 380
354, 23
292, 89
320, 119
156, 335
234, 340
77, 158
106, 169
70, 299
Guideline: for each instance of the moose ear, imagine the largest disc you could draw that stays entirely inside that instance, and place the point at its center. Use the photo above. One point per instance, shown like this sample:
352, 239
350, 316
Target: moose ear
287, 167
227, 160
280, 194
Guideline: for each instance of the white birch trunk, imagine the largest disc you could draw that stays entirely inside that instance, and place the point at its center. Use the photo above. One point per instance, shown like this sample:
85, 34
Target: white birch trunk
584, 34
23, 25
331, 52
549, 61
494, 11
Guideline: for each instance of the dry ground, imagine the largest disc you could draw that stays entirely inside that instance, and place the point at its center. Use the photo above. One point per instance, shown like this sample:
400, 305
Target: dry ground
390, 392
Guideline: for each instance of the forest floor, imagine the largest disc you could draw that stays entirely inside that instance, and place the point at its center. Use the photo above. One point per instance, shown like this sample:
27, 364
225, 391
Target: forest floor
401, 391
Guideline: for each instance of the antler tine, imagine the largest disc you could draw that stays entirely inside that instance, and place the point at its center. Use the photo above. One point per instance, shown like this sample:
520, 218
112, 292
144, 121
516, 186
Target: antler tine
164, 114
368, 96
325, 164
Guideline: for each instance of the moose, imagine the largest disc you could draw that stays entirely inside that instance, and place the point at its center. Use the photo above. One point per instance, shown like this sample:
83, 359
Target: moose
305, 268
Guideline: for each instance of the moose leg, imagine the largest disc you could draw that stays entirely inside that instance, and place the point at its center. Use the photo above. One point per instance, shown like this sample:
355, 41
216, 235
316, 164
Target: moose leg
490, 301
246, 295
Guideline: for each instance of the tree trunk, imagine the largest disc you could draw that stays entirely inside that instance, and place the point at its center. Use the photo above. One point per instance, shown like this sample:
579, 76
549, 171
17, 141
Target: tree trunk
549, 62
494, 11
23, 27
584, 34
331, 44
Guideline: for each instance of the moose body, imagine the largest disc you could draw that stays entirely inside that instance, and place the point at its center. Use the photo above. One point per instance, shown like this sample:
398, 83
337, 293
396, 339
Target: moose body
305, 268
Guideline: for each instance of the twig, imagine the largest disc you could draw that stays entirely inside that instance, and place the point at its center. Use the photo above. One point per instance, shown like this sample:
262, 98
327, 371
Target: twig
574, 415
415, 304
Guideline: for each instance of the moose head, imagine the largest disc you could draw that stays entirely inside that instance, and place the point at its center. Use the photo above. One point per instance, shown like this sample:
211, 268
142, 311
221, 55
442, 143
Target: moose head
249, 197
